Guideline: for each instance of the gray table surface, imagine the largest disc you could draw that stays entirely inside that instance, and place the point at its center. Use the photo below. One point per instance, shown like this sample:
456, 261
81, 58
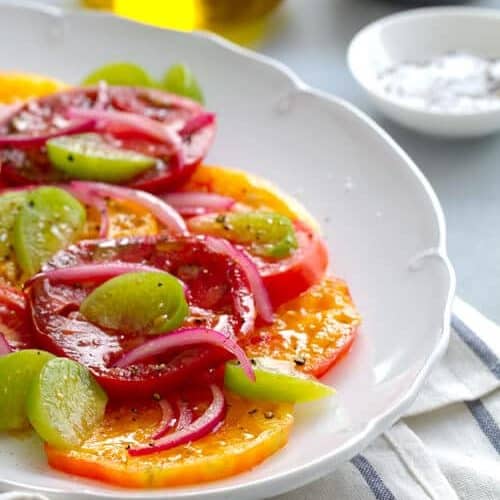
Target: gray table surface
312, 36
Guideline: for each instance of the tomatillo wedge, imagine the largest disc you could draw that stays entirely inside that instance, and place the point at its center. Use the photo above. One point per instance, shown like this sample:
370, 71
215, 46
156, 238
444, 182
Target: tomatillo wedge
17, 370
119, 73
267, 234
179, 80
89, 157
138, 302
10, 205
49, 220
65, 403
275, 380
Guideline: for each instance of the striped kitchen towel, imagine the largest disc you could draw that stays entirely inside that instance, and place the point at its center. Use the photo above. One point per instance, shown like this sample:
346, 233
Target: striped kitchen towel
447, 447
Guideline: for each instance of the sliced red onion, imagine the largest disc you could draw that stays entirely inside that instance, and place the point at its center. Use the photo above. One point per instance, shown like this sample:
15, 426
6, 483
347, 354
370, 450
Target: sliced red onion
184, 337
213, 415
167, 419
198, 203
197, 123
8, 110
168, 216
88, 198
122, 122
4, 345
260, 294
184, 418
185, 415
90, 272
20, 140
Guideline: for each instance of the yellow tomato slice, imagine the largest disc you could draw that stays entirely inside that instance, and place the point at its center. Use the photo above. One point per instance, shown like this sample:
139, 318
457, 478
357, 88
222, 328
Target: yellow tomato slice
314, 330
16, 87
128, 219
251, 432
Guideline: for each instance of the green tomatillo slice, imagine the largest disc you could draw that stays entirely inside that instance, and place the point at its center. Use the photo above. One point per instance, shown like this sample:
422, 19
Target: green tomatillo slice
10, 205
137, 302
49, 220
267, 234
17, 371
64, 403
275, 380
180, 80
89, 157
119, 73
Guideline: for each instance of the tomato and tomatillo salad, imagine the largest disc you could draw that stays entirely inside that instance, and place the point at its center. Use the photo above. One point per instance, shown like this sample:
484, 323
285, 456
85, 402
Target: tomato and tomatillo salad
159, 318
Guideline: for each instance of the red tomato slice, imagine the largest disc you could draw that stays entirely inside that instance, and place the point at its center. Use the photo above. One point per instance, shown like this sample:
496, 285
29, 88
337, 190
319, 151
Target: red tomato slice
285, 279
216, 288
14, 319
28, 165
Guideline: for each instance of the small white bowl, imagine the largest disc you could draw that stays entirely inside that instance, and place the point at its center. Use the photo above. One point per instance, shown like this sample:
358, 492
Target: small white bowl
418, 35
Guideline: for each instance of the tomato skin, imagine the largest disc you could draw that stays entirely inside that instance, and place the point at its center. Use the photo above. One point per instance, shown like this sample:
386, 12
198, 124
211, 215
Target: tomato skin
14, 319
286, 279
167, 182
212, 283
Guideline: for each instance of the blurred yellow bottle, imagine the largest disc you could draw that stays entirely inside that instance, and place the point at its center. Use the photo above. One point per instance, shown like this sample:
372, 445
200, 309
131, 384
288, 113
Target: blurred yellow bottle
240, 20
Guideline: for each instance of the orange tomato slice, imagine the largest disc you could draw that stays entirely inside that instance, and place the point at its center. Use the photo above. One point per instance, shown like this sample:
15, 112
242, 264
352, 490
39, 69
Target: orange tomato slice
15, 87
128, 219
314, 330
250, 433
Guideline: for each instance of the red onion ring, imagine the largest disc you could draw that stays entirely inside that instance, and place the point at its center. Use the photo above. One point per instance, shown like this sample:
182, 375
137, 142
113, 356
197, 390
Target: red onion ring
198, 203
185, 415
197, 123
4, 345
184, 418
169, 217
7, 110
259, 291
213, 415
89, 272
167, 419
184, 337
21, 140
122, 122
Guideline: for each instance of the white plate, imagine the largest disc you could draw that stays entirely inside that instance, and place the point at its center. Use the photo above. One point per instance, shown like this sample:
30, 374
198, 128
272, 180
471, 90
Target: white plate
417, 35
383, 222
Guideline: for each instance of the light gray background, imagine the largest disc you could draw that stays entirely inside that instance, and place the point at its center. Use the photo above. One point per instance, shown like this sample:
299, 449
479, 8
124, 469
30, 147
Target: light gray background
311, 36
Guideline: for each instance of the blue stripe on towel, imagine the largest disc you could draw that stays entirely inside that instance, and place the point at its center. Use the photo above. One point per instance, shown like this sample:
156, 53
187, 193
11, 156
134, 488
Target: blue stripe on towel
486, 422
373, 480
477, 345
